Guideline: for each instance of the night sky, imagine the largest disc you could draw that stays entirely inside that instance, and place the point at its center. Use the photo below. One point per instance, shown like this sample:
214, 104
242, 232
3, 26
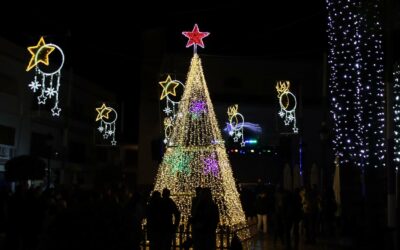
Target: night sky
103, 42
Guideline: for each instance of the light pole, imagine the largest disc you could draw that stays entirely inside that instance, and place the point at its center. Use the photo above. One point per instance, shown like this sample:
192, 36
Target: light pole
48, 153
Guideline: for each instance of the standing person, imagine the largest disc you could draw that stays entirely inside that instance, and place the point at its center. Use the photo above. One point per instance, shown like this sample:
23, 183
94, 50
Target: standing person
170, 218
248, 200
262, 209
195, 200
153, 220
297, 216
195, 203
205, 222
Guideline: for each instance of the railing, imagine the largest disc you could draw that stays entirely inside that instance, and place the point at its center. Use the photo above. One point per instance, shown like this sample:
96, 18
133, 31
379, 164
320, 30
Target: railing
183, 237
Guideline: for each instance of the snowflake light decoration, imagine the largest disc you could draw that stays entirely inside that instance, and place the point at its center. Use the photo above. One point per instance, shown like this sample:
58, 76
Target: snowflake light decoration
211, 165
197, 107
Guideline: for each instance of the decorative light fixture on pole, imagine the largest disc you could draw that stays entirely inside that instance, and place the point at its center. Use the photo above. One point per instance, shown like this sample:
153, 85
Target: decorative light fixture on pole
46, 79
107, 117
287, 103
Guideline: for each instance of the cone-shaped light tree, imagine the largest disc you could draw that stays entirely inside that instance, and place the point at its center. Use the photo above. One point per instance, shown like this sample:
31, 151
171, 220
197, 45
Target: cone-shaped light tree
196, 154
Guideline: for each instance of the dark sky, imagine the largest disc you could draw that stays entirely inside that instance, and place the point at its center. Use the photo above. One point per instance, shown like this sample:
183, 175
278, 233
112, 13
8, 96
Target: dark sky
95, 35
103, 42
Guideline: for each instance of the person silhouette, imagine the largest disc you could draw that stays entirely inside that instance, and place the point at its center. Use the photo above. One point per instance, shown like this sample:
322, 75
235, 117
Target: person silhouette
205, 221
170, 219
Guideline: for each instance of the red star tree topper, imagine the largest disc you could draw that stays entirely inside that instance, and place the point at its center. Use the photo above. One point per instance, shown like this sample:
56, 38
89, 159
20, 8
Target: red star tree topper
195, 37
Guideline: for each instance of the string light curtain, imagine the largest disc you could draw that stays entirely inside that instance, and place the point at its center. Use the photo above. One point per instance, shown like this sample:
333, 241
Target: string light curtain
356, 81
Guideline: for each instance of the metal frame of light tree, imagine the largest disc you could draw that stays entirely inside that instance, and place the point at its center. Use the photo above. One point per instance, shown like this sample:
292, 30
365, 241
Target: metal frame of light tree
356, 82
47, 83
196, 155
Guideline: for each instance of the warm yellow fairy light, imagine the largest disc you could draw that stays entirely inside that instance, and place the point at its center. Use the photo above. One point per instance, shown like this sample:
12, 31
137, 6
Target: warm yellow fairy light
192, 140
44, 52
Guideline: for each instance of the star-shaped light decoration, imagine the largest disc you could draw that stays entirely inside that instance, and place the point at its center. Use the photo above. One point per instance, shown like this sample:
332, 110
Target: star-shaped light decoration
103, 112
42, 99
169, 87
56, 111
39, 54
195, 37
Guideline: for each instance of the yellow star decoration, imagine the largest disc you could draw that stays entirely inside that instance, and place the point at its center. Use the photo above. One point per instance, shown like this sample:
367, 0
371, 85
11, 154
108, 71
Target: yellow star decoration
46, 51
103, 112
169, 87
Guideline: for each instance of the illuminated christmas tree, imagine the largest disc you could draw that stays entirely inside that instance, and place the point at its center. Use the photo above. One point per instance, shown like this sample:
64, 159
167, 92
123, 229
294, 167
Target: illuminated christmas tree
196, 154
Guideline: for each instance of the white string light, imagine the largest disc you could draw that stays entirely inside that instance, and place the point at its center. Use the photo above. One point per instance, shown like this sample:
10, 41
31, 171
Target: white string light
356, 82
396, 115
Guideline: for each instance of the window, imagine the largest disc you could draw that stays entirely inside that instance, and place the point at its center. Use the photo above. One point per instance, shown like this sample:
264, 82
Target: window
7, 135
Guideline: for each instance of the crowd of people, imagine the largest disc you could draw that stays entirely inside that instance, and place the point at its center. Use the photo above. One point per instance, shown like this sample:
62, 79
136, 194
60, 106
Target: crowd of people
113, 218
290, 216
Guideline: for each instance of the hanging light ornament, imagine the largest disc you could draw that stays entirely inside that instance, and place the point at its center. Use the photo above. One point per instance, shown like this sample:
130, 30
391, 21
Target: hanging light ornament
47, 77
169, 87
236, 124
287, 103
107, 117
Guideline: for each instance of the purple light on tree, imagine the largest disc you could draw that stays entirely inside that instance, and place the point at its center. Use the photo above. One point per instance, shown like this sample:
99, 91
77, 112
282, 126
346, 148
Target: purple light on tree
211, 165
197, 107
